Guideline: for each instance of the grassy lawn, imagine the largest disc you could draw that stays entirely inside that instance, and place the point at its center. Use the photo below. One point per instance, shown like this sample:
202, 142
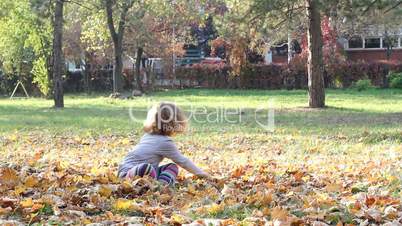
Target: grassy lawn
348, 111
314, 161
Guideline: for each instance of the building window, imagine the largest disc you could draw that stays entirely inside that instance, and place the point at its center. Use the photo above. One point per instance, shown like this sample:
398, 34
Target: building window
280, 50
355, 42
371, 43
390, 41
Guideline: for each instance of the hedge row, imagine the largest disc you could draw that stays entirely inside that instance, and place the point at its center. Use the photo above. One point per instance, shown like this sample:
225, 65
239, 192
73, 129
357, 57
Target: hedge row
341, 74
292, 76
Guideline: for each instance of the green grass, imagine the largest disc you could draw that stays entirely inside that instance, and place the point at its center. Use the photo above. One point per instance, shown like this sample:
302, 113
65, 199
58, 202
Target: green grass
348, 112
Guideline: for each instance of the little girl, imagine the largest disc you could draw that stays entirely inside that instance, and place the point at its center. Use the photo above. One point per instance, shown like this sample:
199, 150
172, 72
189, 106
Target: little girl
163, 121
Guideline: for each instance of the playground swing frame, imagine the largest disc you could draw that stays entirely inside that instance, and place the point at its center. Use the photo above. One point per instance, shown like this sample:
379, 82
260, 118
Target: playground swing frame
19, 83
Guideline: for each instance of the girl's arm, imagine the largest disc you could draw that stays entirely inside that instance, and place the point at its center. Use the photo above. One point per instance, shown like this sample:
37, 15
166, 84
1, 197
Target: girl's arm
170, 151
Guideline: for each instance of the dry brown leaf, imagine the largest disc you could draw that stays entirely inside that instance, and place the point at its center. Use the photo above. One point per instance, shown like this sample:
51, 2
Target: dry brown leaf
4, 211
8, 177
238, 172
165, 198
369, 201
8, 202
334, 187
279, 213
31, 181
298, 176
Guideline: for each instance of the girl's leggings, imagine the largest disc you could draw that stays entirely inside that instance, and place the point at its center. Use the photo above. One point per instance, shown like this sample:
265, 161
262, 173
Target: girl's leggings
165, 173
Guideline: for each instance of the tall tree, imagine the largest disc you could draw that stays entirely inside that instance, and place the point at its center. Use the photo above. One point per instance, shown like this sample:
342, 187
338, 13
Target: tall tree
117, 37
269, 19
315, 61
58, 55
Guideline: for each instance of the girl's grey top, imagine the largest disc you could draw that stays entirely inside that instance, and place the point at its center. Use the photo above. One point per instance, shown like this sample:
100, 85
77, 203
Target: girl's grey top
152, 149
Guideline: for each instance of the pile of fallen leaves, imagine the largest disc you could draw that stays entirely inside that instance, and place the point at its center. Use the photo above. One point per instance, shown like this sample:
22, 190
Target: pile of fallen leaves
73, 181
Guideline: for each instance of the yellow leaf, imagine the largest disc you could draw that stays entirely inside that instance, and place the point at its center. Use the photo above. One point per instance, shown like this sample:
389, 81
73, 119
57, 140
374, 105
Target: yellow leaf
105, 191
178, 219
122, 204
191, 189
27, 203
125, 141
86, 221
215, 208
13, 137
19, 189
31, 182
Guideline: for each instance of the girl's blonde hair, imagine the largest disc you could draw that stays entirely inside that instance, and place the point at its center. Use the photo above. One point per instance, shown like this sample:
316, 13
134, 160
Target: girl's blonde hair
165, 119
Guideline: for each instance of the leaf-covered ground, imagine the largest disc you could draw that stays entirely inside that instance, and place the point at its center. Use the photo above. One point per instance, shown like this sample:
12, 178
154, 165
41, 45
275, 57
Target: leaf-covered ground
342, 168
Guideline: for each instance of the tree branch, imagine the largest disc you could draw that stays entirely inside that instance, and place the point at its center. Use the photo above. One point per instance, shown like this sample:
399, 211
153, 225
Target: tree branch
123, 15
110, 22
80, 4
369, 6
393, 7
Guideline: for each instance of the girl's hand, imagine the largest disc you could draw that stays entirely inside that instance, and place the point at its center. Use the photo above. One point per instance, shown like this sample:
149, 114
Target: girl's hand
204, 176
209, 178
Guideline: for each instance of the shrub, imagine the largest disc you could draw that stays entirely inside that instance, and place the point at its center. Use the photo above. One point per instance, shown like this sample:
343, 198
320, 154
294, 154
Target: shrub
343, 74
395, 80
363, 84
262, 77
295, 74
40, 75
213, 75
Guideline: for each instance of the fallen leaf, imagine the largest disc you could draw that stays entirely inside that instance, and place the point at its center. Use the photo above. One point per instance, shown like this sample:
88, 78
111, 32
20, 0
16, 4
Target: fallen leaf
27, 203
278, 213
374, 214
4, 211
334, 187
8, 177
215, 208
105, 191
31, 182
178, 219
122, 204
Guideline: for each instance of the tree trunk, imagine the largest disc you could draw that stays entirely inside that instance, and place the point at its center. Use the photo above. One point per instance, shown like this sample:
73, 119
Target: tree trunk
117, 37
388, 53
151, 77
290, 55
118, 68
57, 55
137, 69
315, 61
87, 72
49, 66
